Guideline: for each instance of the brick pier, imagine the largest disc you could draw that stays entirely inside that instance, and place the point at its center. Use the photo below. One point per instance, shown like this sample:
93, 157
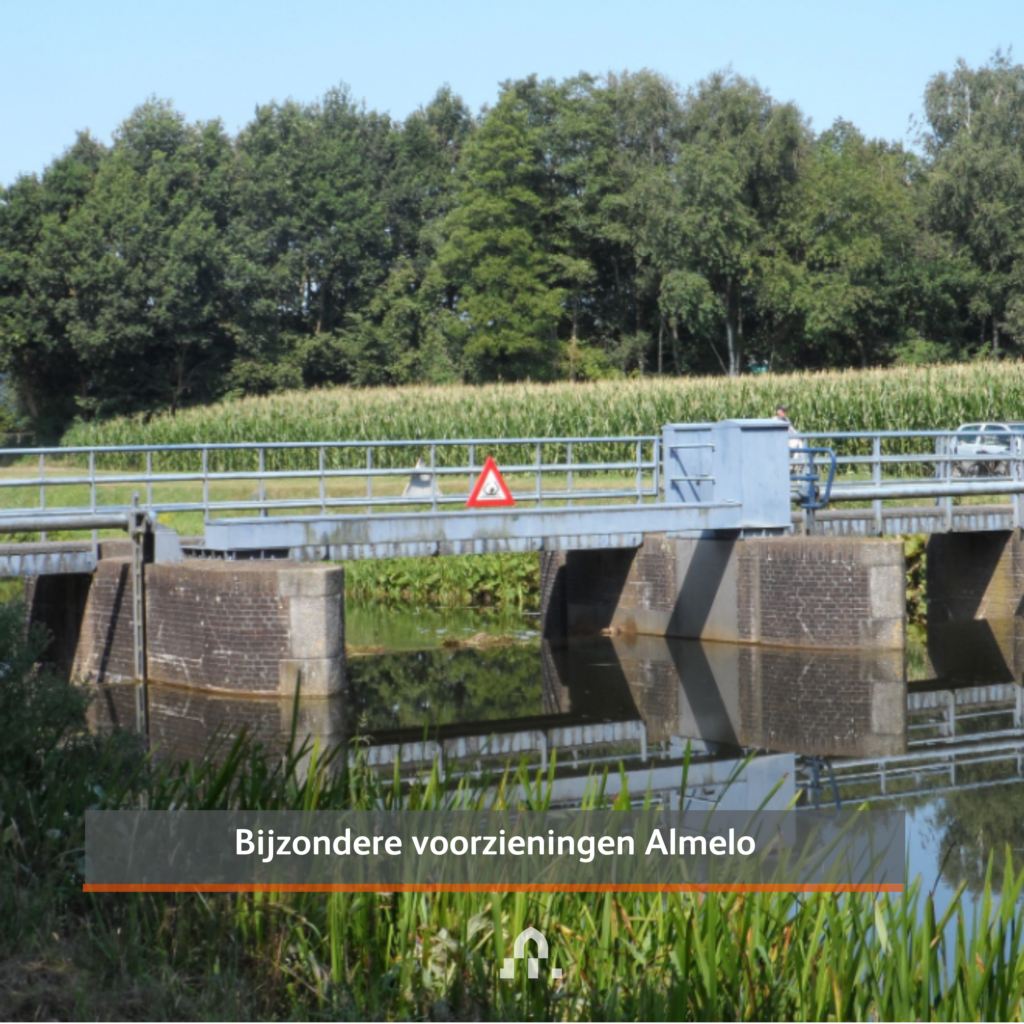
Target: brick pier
816, 592
251, 628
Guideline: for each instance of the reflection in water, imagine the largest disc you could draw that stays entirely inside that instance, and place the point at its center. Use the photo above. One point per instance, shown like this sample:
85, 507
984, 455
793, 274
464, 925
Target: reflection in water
638, 701
189, 724
822, 703
975, 825
948, 746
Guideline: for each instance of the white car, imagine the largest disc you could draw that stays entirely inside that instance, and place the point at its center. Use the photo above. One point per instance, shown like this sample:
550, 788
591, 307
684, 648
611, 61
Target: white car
974, 440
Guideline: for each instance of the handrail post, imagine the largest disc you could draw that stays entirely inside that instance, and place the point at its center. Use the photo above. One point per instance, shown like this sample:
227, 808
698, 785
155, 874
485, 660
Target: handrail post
321, 462
433, 478
262, 490
1016, 475
205, 460
876, 478
568, 462
139, 535
42, 488
539, 488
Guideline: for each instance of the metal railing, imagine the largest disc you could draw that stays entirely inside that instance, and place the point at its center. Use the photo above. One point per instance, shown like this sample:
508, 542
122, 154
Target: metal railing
920, 467
897, 458
948, 759
355, 476
363, 477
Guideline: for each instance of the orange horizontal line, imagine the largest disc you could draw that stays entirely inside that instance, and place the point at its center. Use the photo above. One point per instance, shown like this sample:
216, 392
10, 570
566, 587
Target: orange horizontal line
384, 887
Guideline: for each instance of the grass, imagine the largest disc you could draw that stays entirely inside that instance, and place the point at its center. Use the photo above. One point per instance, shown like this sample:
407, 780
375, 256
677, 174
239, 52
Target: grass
382, 956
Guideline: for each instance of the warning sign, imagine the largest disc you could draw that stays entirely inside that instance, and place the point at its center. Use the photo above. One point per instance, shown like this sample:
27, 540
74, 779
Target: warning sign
491, 490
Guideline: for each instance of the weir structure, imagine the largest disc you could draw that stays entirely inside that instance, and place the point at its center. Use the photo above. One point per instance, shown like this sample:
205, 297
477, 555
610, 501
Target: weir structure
688, 533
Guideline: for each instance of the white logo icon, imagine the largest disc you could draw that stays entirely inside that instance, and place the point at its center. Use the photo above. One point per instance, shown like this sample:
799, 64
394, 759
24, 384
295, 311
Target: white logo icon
532, 963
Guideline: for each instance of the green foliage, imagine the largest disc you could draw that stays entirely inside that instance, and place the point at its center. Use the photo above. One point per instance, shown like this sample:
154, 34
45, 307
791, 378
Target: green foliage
976, 187
586, 229
494, 255
511, 580
440, 687
915, 549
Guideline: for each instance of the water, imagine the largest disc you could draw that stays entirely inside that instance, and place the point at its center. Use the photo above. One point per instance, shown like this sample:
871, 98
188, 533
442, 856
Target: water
938, 731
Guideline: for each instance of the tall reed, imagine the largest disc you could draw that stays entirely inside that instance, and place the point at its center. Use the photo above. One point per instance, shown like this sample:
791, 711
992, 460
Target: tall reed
758, 956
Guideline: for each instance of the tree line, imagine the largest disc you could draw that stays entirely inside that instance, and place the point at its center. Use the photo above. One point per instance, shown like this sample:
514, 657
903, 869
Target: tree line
593, 227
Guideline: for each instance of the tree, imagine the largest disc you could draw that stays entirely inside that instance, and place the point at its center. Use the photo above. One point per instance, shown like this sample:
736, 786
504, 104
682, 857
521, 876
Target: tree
147, 305
410, 332
851, 238
494, 255
37, 296
976, 145
310, 243
737, 167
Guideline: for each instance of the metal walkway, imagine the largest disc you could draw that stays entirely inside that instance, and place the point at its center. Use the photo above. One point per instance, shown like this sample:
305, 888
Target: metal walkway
371, 499
381, 499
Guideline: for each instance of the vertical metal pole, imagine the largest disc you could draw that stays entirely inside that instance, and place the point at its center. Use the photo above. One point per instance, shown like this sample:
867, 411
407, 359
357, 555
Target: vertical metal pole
139, 616
206, 484
149, 479
639, 473
656, 450
947, 503
1016, 476
539, 486
876, 478
569, 464
262, 492
472, 466
433, 478
323, 480
369, 479
92, 498
42, 488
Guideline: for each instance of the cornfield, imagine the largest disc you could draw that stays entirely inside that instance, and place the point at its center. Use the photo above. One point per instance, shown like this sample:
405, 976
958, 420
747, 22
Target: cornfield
930, 398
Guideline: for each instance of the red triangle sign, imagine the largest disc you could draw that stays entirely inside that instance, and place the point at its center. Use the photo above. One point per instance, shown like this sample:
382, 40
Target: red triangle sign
490, 490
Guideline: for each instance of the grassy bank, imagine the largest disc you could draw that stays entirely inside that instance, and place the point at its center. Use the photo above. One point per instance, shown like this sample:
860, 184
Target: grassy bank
894, 399
391, 957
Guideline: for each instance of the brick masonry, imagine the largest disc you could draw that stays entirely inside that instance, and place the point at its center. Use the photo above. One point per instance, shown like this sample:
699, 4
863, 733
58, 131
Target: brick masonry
242, 627
843, 593
822, 592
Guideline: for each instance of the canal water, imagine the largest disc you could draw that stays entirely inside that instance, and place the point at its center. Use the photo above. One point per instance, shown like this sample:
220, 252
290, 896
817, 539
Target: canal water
937, 731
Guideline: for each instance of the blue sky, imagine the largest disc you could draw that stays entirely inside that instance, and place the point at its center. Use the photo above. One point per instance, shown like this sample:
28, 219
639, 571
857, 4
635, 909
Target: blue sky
66, 66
